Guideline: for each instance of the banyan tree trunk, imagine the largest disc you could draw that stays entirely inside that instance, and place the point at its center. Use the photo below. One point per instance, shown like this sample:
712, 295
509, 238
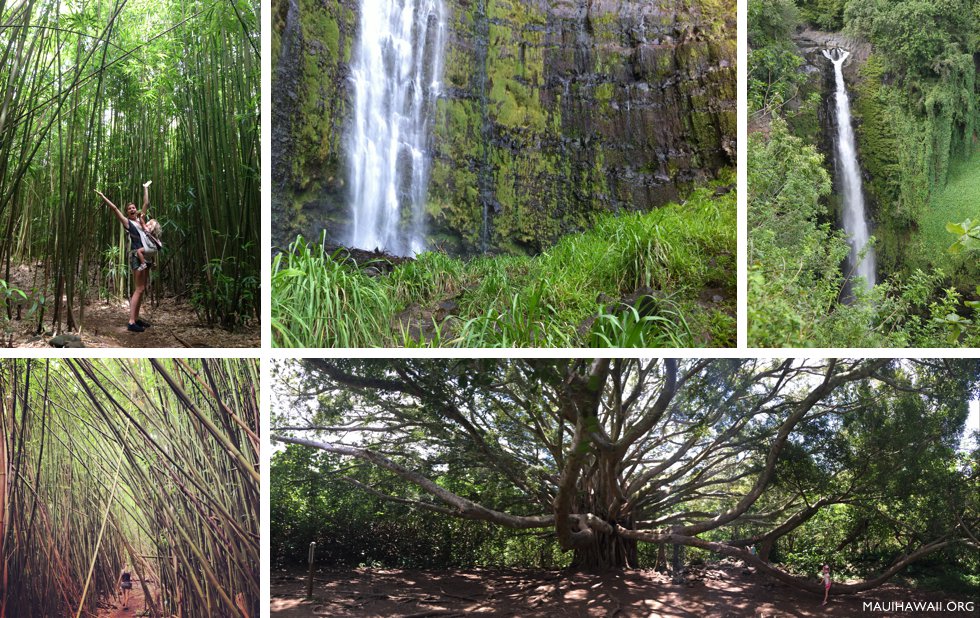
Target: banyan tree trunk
677, 563
606, 552
604, 499
661, 565
765, 549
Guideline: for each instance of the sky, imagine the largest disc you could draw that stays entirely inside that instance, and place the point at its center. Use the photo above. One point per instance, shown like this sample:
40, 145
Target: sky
972, 424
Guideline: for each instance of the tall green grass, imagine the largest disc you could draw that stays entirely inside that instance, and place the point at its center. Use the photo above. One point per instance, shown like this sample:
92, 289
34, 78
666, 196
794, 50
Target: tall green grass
569, 296
319, 301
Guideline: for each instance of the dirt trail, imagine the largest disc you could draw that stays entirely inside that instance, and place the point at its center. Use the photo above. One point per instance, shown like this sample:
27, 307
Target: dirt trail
136, 605
174, 325
723, 591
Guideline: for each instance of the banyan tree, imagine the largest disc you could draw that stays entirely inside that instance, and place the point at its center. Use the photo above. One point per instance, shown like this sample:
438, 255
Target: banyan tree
734, 457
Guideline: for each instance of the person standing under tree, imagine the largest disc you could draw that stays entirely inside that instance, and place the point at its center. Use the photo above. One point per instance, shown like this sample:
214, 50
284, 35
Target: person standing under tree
826, 583
131, 222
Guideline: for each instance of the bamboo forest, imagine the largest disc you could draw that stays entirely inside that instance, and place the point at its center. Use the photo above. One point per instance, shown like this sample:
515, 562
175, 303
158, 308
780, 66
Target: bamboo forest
138, 472
503, 173
864, 173
102, 97
625, 487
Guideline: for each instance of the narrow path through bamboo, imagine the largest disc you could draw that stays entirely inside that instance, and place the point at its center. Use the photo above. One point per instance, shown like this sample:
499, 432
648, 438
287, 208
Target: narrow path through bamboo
137, 604
105, 520
122, 461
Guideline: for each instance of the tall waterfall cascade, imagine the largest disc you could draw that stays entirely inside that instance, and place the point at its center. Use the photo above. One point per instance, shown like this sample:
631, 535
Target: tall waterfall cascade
396, 71
854, 219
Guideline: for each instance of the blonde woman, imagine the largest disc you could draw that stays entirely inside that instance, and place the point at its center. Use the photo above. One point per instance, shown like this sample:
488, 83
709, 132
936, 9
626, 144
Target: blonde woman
131, 222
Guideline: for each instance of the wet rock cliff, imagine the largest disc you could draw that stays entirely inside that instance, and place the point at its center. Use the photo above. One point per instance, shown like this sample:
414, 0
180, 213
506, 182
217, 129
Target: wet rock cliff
552, 110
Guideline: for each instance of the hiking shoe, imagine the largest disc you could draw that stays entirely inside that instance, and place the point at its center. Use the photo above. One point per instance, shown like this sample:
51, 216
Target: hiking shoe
143, 324
136, 328
142, 267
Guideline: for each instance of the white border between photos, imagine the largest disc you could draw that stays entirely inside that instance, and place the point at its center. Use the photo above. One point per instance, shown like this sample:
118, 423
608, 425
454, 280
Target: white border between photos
266, 353
265, 555
742, 182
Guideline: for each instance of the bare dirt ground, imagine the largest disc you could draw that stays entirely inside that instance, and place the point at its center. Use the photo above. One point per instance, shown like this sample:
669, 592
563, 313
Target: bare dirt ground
136, 605
174, 325
723, 591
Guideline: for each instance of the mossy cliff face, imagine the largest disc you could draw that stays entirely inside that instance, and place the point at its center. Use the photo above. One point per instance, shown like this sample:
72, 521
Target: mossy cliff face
552, 110
311, 43
820, 126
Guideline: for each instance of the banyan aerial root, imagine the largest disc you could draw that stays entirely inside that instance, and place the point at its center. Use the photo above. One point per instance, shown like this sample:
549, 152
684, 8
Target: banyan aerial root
142, 467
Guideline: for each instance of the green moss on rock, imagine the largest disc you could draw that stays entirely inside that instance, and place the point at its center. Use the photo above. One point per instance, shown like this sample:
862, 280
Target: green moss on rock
549, 116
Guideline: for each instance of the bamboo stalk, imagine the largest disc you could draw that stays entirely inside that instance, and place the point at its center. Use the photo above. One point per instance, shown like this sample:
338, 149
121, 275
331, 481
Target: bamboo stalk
98, 544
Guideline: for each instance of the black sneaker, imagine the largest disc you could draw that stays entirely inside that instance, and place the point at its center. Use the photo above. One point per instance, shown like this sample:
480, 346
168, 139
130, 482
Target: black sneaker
143, 324
136, 328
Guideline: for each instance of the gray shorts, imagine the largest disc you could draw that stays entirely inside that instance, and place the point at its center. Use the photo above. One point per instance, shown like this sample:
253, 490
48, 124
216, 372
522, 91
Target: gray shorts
126, 585
134, 261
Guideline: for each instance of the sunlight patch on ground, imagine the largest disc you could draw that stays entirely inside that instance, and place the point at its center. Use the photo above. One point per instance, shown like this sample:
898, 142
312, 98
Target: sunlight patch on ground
576, 595
283, 604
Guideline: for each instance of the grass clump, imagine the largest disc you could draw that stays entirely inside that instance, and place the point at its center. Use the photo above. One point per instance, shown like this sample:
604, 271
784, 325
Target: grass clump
654, 279
316, 298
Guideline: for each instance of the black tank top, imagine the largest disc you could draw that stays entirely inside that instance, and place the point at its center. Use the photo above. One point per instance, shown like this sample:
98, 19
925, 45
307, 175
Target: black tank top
135, 240
125, 576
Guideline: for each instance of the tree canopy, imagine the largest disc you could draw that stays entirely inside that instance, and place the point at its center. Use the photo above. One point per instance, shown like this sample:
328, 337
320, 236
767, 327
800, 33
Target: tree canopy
607, 455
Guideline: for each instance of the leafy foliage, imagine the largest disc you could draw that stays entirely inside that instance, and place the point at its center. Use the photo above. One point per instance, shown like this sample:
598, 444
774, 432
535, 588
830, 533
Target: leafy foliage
916, 116
774, 65
353, 528
229, 293
825, 14
967, 235
12, 302
794, 278
565, 297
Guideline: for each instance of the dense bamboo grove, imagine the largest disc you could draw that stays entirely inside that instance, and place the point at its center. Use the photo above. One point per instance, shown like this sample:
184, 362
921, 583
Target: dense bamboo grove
150, 463
104, 94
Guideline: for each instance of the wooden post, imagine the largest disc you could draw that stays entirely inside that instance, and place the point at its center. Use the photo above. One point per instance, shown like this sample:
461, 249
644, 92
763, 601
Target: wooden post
309, 583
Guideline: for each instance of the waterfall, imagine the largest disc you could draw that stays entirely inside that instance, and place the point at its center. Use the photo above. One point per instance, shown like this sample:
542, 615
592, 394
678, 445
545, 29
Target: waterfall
849, 176
396, 68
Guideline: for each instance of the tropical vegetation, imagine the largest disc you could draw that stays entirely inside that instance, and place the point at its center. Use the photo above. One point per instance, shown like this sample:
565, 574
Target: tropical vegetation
105, 94
656, 279
870, 465
915, 93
